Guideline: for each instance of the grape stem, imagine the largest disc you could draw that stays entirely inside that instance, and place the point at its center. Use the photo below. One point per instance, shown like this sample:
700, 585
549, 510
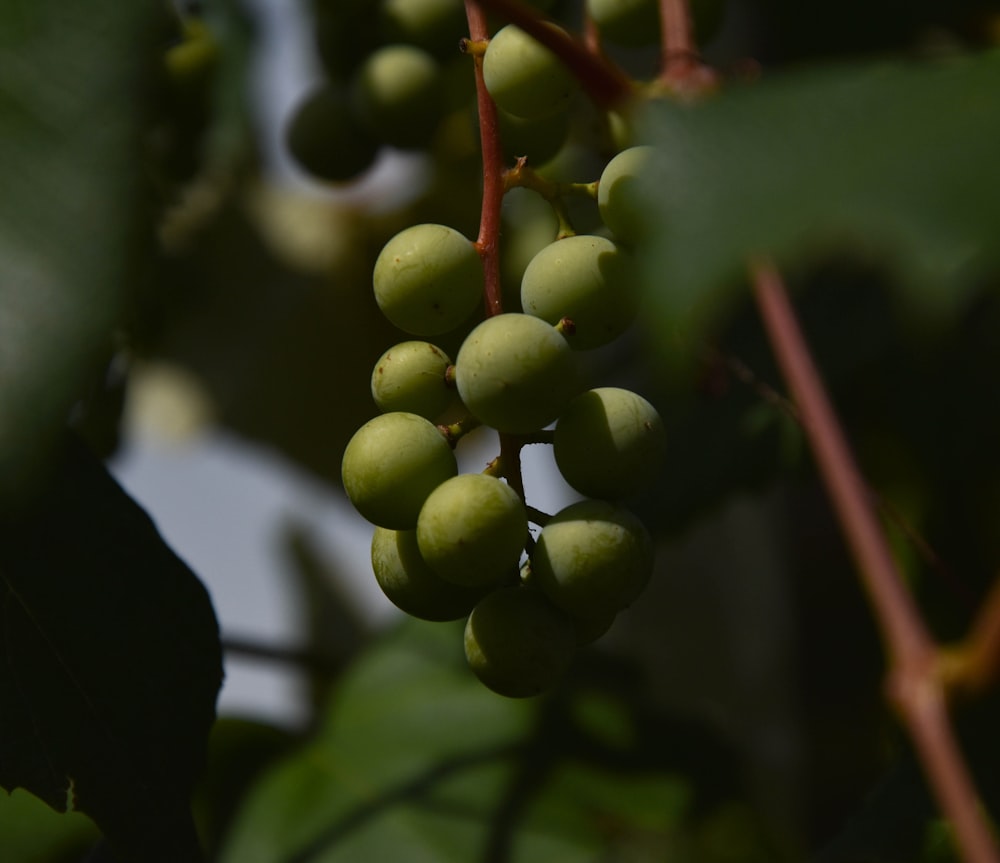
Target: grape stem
521, 175
681, 68
916, 681
605, 84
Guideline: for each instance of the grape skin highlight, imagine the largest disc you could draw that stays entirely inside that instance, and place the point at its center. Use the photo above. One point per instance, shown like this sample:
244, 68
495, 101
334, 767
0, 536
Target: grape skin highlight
392, 464
428, 279
472, 529
515, 373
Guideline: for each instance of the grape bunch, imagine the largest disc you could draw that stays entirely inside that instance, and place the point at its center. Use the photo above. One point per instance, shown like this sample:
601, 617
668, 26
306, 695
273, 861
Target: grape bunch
447, 545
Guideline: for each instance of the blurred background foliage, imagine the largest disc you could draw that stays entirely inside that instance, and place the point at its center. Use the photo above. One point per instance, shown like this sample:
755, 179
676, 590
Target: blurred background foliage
736, 712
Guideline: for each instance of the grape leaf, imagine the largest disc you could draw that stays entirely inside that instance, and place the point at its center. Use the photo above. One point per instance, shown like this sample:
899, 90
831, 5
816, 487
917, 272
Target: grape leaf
70, 109
109, 663
891, 159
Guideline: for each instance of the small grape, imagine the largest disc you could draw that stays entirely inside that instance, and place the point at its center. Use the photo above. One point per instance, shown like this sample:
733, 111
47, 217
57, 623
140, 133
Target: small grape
586, 279
524, 77
627, 22
392, 464
411, 585
624, 192
472, 529
592, 558
428, 279
396, 95
517, 643
325, 138
434, 25
515, 373
609, 443
410, 377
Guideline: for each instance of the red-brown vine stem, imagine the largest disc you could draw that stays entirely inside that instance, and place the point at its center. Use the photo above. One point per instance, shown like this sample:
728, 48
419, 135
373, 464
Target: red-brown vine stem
915, 684
603, 81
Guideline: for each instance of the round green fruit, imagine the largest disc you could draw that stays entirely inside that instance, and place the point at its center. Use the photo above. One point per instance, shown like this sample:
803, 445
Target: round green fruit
523, 76
586, 279
625, 191
436, 26
396, 95
592, 559
325, 138
428, 279
472, 529
411, 585
517, 643
627, 22
390, 466
410, 377
609, 443
515, 373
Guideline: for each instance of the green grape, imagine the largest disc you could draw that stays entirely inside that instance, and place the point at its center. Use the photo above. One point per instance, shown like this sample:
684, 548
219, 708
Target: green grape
539, 140
515, 373
410, 377
396, 95
428, 279
627, 22
436, 26
411, 585
592, 558
392, 464
517, 643
624, 192
609, 443
325, 138
525, 78
472, 529
586, 279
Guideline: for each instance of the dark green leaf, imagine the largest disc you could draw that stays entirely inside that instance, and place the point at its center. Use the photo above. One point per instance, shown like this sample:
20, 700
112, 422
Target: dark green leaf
109, 663
892, 159
69, 155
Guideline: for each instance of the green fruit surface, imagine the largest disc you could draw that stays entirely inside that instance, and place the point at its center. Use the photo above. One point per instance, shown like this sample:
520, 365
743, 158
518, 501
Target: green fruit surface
592, 559
390, 466
410, 377
428, 279
624, 191
517, 643
325, 137
436, 26
609, 443
586, 279
537, 140
472, 529
627, 22
411, 585
524, 77
515, 373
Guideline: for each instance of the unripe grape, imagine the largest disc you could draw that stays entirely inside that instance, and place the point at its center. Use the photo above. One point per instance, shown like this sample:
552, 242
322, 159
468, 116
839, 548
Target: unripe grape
325, 138
586, 279
523, 76
627, 22
515, 373
411, 585
625, 190
592, 558
392, 464
472, 529
434, 25
428, 279
609, 443
396, 95
410, 377
517, 643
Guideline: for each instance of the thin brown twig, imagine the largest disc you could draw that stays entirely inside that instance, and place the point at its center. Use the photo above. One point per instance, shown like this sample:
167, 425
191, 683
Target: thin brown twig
915, 684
